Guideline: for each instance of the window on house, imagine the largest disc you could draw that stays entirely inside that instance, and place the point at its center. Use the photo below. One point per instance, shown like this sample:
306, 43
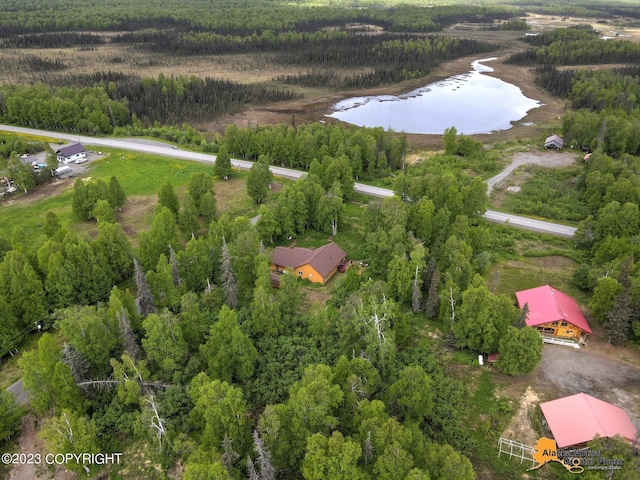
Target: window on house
300, 272
554, 323
564, 324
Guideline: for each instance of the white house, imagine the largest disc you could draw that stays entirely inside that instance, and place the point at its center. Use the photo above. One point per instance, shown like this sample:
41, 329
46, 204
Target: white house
71, 153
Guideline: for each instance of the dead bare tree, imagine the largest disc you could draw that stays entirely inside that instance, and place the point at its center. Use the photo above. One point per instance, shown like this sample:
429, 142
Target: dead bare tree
416, 295
128, 338
76, 361
156, 423
228, 278
144, 301
175, 273
267, 472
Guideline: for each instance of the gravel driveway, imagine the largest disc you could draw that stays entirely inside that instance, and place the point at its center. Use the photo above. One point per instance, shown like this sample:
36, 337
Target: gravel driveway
543, 159
573, 371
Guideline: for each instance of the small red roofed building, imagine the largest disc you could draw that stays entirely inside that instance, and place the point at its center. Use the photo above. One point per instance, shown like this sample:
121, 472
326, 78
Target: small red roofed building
553, 313
577, 419
317, 265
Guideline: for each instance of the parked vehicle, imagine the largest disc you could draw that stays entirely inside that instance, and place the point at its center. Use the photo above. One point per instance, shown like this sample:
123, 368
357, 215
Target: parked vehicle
62, 170
81, 160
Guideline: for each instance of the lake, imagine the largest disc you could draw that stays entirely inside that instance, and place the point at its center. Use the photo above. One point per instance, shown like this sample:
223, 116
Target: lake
471, 102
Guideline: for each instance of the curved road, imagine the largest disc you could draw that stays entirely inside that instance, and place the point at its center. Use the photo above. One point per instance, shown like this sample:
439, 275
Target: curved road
168, 151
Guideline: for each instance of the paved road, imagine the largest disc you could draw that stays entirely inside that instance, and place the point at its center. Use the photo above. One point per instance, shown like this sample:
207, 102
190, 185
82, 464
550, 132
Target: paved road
21, 395
169, 151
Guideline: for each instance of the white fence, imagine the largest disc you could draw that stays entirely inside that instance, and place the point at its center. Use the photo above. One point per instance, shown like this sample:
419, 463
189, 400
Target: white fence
516, 449
560, 341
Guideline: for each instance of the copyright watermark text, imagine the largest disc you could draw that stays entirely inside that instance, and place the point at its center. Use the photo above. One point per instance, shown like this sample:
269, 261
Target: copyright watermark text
61, 458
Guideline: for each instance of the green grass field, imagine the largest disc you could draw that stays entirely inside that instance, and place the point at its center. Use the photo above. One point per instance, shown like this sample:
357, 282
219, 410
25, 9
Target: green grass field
139, 175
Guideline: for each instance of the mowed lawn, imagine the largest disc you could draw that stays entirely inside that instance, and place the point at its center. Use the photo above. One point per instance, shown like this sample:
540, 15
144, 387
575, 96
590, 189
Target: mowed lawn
140, 176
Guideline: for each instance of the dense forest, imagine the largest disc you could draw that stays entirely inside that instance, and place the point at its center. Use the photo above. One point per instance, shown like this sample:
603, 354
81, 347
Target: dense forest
232, 369
604, 102
172, 344
115, 100
230, 17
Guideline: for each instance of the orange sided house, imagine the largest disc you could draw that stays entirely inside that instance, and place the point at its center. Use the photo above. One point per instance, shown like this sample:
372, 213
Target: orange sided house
554, 314
317, 265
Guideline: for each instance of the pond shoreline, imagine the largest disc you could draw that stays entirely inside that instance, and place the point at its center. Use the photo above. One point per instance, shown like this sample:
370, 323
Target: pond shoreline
472, 102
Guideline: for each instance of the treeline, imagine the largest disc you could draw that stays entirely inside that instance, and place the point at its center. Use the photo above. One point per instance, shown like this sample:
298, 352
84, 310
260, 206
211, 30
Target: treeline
605, 107
36, 65
611, 190
391, 59
595, 90
599, 10
235, 17
369, 152
52, 40
118, 100
575, 46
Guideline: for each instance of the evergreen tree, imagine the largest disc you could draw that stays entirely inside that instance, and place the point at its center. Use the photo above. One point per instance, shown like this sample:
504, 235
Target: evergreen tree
520, 351
259, 179
199, 185
117, 197
167, 197
208, 207
188, 216
51, 224
222, 167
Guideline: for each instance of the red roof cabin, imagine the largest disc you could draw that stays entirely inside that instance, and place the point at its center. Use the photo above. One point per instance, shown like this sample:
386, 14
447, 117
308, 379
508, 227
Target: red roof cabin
577, 419
317, 265
553, 313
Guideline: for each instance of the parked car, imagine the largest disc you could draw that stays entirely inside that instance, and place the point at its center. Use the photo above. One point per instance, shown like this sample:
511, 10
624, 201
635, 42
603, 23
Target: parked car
81, 160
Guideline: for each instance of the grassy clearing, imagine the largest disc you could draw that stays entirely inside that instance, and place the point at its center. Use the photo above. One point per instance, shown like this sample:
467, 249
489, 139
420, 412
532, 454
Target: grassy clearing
144, 174
514, 275
487, 416
140, 176
549, 193
31, 215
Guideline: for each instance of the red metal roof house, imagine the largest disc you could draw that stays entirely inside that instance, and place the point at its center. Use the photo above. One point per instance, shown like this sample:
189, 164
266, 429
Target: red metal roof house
553, 313
317, 265
577, 419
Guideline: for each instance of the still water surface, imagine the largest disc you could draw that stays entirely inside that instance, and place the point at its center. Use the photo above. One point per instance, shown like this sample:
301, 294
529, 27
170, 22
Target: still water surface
472, 102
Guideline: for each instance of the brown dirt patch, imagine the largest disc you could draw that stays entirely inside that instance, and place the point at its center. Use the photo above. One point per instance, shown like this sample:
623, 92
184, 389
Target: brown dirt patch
41, 192
519, 428
136, 214
30, 444
313, 296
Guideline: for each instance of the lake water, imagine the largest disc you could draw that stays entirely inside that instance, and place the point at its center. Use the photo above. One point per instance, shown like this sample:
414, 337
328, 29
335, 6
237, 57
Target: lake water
472, 102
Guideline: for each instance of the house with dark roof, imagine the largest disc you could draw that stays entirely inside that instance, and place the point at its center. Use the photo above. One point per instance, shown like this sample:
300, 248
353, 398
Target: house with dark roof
317, 265
553, 313
554, 141
71, 153
577, 419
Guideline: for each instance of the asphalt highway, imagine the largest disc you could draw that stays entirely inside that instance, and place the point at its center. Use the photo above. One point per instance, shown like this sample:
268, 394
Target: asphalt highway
169, 151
